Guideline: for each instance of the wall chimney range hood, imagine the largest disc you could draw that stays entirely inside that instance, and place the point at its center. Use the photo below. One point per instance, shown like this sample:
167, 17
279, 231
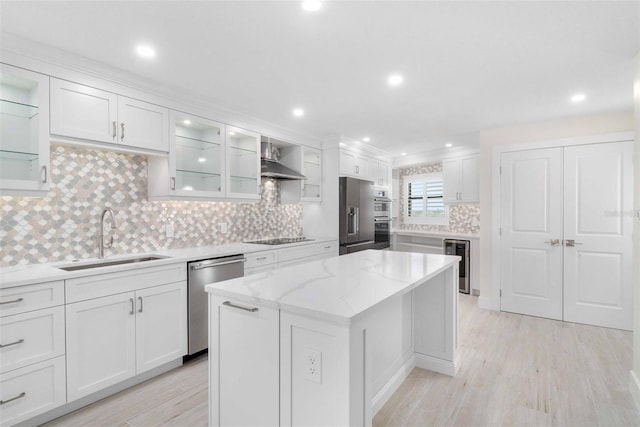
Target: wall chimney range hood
269, 160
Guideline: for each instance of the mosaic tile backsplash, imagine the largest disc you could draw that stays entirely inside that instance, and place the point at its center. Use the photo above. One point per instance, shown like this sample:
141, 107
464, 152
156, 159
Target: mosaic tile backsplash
64, 225
463, 218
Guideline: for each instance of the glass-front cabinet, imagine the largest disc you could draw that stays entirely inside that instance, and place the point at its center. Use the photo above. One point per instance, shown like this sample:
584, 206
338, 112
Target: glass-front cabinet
243, 163
312, 169
24, 132
197, 156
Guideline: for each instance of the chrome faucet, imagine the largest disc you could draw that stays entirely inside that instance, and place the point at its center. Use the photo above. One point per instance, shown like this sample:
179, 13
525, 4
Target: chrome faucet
101, 244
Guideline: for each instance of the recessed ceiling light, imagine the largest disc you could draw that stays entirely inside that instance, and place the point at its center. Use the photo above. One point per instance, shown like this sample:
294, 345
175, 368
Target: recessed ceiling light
145, 51
311, 5
202, 159
186, 122
395, 80
448, 145
578, 97
403, 154
298, 112
366, 139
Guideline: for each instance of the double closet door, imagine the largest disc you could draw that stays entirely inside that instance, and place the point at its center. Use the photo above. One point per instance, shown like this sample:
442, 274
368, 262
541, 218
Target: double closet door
566, 224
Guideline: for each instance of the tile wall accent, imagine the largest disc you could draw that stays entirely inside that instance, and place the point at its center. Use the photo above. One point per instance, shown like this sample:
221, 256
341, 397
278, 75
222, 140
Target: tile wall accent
463, 218
64, 225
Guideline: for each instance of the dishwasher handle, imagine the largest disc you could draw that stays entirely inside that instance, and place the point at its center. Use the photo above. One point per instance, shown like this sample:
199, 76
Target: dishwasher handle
218, 264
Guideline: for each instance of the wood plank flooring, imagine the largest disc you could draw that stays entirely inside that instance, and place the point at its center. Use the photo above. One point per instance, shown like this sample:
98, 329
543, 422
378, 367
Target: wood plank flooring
516, 370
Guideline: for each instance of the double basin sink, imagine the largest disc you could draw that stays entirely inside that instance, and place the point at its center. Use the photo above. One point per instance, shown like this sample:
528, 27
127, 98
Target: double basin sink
107, 263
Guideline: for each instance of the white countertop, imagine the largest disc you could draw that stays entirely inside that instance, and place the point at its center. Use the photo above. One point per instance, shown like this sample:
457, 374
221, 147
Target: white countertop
21, 275
443, 234
337, 289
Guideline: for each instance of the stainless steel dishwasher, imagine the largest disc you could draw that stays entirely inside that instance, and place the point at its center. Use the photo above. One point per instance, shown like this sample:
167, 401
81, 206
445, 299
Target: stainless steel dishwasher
202, 273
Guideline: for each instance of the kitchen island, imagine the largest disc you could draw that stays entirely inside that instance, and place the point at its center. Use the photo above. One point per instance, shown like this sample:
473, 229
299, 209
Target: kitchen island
328, 342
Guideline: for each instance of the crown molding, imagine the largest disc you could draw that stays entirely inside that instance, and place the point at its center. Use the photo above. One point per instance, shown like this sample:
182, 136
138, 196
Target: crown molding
50, 60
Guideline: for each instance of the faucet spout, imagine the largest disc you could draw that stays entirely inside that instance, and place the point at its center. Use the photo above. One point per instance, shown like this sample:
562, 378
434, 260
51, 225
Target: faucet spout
101, 244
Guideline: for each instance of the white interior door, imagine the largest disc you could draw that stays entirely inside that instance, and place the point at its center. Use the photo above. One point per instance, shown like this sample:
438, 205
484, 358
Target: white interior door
531, 227
597, 273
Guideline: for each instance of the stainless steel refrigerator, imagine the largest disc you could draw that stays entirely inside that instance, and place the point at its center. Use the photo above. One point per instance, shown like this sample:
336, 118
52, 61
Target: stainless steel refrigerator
357, 225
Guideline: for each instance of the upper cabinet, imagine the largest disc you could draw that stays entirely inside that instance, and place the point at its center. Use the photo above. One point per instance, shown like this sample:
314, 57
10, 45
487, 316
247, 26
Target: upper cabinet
83, 112
24, 132
243, 163
308, 161
365, 167
379, 172
460, 180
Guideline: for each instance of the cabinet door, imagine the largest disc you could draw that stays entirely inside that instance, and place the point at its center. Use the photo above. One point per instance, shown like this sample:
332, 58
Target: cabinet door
383, 174
347, 163
100, 343
143, 125
469, 185
363, 169
83, 112
244, 360
243, 163
450, 180
161, 325
312, 169
24, 132
196, 156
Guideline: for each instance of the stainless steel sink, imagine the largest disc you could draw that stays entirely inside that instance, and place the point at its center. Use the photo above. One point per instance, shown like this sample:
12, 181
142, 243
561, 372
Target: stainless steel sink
107, 263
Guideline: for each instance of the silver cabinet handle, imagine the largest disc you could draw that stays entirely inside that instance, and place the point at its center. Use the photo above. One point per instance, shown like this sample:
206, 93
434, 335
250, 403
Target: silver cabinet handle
357, 169
12, 343
230, 304
553, 242
173, 182
23, 394
200, 266
13, 301
132, 306
140, 310
122, 131
327, 247
571, 243
115, 126
261, 258
43, 171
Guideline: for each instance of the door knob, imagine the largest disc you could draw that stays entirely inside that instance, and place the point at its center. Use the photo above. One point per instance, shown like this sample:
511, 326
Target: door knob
571, 243
553, 242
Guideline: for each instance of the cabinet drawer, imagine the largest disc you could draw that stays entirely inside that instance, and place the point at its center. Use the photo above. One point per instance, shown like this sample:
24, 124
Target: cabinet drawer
31, 337
84, 288
259, 259
297, 252
327, 249
254, 270
33, 390
31, 297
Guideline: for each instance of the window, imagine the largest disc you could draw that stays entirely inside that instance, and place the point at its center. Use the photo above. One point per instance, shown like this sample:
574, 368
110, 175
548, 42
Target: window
424, 200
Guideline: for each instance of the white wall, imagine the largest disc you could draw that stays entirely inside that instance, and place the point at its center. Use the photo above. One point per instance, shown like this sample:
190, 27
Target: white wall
541, 131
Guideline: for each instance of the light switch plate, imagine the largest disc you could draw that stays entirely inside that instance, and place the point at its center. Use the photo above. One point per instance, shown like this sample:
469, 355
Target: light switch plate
223, 227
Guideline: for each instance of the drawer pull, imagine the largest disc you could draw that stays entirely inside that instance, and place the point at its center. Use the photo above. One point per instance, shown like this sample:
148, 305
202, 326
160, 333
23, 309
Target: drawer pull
132, 306
21, 395
12, 343
140, 310
230, 304
12, 301
327, 247
261, 258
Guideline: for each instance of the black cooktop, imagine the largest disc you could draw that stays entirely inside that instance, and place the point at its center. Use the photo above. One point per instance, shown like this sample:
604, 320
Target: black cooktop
281, 241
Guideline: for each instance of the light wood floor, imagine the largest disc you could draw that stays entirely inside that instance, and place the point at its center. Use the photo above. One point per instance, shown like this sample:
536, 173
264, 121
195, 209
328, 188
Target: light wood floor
516, 370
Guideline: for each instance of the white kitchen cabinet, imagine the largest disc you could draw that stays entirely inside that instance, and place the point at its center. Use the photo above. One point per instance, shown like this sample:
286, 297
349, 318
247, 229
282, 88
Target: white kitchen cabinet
379, 172
355, 165
24, 134
460, 179
161, 325
243, 164
85, 113
195, 167
101, 339
244, 365
31, 391
309, 162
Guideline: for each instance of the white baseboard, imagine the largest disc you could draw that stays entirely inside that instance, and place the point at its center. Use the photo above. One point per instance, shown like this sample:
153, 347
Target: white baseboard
392, 385
440, 366
634, 388
489, 303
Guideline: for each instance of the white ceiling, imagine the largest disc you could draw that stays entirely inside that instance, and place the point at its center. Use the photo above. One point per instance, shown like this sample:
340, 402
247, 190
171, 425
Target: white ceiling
467, 65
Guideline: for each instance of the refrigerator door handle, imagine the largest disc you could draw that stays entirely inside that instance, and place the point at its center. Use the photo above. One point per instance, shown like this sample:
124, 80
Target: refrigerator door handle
357, 220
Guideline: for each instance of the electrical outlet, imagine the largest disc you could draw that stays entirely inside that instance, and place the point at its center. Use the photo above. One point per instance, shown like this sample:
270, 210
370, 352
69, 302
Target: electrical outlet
223, 227
169, 230
313, 365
